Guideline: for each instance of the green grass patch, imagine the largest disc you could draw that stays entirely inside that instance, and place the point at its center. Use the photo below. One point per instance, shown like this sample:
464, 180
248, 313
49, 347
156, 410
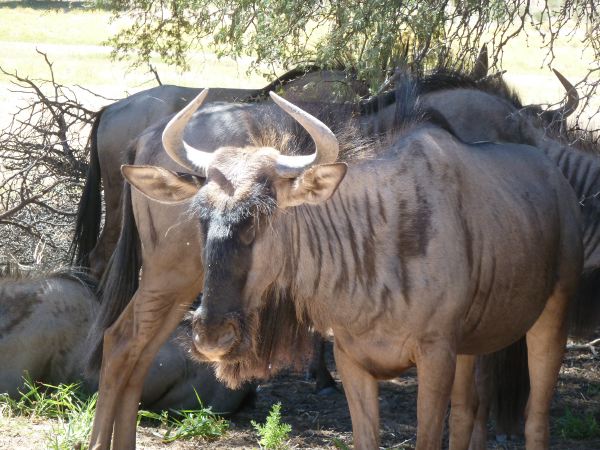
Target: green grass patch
73, 412
188, 423
273, 433
578, 426
71, 408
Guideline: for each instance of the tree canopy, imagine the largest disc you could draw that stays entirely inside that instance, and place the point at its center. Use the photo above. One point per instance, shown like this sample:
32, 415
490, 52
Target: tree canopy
370, 36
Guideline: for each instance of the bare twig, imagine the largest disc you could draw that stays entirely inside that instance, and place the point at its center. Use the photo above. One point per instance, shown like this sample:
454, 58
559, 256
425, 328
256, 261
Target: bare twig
591, 346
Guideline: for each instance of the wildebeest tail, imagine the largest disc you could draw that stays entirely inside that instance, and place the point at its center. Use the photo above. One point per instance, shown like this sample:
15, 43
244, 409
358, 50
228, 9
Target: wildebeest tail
508, 386
585, 307
118, 284
89, 211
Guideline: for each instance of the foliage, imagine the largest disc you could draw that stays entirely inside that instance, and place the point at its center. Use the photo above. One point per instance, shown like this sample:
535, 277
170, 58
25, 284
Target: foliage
273, 434
189, 423
575, 426
371, 36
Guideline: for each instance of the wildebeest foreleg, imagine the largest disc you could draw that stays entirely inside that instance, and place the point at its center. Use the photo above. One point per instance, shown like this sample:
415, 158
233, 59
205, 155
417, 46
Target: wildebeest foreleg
436, 362
546, 342
126, 415
463, 402
361, 391
116, 340
129, 348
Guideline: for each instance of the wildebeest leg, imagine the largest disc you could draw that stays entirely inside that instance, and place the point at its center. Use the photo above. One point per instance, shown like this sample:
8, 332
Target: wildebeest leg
546, 341
109, 389
325, 384
126, 415
361, 391
149, 316
436, 362
479, 434
463, 402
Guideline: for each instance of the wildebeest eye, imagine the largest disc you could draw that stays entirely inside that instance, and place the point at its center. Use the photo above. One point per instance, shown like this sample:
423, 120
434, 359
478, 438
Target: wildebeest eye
247, 233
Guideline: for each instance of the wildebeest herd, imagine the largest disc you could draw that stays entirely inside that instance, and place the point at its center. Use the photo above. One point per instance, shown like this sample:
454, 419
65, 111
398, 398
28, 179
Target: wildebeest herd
425, 226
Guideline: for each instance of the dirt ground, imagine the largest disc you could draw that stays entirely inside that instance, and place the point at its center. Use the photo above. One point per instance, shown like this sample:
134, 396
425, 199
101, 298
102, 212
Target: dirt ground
318, 421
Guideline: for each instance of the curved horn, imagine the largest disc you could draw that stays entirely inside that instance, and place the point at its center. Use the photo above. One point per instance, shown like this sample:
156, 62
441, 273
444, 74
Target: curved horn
172, 139
480, 68
572, 101
326, 144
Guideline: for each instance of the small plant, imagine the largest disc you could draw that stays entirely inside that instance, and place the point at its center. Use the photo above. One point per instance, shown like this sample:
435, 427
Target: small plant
273, 434
578, 426
340, 444
189, 423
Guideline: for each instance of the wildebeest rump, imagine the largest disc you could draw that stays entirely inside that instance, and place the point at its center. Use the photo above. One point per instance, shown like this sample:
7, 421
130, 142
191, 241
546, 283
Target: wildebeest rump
44, 321
480, 211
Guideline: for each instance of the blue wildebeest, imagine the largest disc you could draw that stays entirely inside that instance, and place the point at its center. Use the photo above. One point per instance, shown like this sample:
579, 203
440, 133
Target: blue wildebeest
44, 321
389, 306
160, 237
116, 125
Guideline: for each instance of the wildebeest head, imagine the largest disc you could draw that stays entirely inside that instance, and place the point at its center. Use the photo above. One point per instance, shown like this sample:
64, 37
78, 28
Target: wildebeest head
240, 189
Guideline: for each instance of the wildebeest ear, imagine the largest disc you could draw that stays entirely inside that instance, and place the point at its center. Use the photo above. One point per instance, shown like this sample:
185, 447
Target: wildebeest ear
162, 185
314, 186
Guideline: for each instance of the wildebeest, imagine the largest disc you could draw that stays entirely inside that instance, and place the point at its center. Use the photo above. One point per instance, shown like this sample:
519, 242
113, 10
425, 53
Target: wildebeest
404, 271
44, 321
116, 125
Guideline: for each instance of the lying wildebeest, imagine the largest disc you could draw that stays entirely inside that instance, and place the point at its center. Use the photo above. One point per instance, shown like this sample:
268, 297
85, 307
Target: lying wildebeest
44, 321
163, 242
116, 125
373, 265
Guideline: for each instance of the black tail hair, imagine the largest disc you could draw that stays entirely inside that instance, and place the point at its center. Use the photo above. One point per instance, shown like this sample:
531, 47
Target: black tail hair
508, 385
585, 307
118, 284
89, 211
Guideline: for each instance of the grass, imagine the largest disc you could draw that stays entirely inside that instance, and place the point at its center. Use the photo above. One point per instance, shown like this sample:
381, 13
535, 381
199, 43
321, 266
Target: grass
578, 426
189, 423
73, 411
274, 433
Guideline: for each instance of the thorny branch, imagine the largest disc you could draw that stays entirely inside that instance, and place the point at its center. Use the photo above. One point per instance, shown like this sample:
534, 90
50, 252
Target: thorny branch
43, 161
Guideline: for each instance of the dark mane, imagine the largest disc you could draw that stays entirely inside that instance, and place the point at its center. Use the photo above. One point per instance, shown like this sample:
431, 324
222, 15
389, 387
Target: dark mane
443, 79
